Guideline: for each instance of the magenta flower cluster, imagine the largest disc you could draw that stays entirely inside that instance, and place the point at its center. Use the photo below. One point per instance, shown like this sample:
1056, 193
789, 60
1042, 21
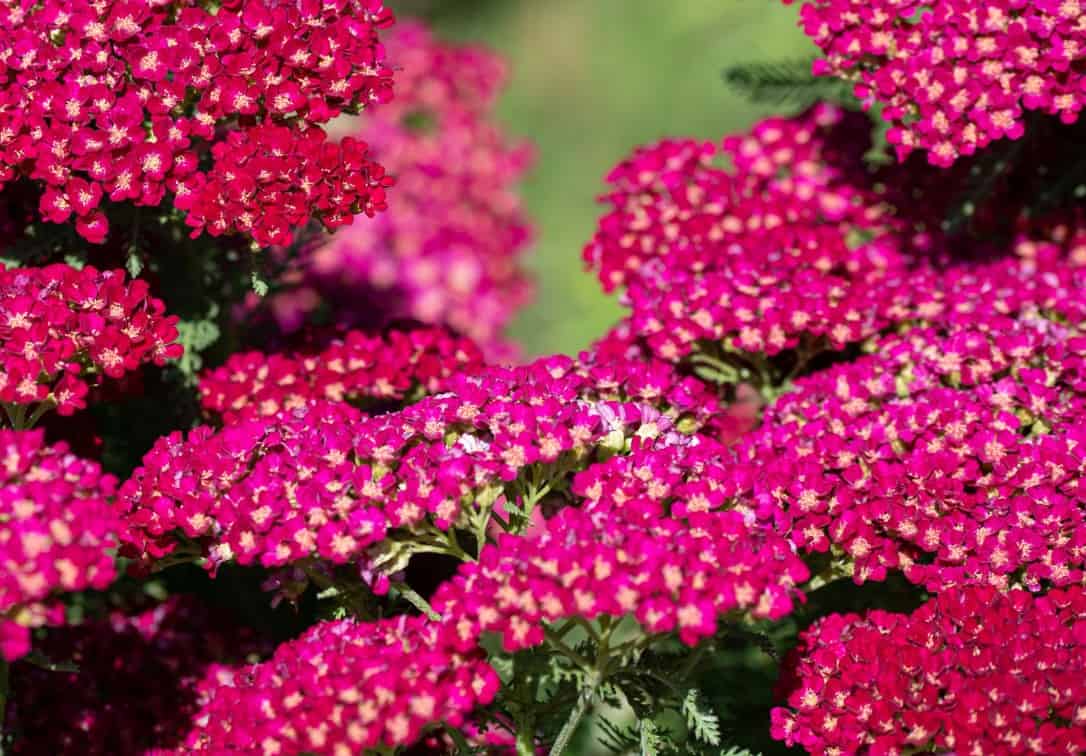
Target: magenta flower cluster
954, 76
671, 575
60, 325
971, 671
449, 250
952, 456
323, 480
122, 100
361, 368
758, 258
57, 533
345, 687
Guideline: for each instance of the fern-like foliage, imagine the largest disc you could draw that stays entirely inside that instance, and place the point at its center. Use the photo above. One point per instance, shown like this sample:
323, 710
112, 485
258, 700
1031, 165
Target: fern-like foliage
787, 82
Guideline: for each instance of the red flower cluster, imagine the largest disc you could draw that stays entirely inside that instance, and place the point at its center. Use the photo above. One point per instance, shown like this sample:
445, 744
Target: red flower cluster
671, 575
449, 249
120, 100
956, 75
782, 251
972, 671
138, 683
362, 368
324, 480
345, 687
58, 325
955, 456
57, 530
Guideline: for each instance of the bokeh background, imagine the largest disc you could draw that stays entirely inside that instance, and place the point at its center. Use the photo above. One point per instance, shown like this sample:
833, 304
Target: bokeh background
589, 80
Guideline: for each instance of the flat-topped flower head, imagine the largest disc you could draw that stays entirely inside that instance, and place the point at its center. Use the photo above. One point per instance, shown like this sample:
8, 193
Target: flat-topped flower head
449, 250
950, 454
57, 533
344, 687
971, 671
323, 480
786, 249
954, 76
59, 326
671, 575
128, 101
378, 370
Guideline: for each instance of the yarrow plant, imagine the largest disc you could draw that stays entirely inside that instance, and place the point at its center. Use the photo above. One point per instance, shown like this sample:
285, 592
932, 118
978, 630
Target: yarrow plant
840, 422
123, 101
449, 250
57, 533
364, 369
61, 328
956, 76
975, 671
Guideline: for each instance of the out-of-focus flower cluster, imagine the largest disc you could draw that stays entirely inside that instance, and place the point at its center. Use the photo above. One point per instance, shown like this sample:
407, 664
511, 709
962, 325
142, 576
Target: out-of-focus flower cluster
58, 325
139, 681
122, 100
952, 454
972, 671
325, 480
448, 251
954, 76
363, 369
345, 687
57, 533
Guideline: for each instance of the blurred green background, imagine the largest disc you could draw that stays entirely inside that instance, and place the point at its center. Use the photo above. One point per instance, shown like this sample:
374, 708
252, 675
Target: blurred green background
591, 79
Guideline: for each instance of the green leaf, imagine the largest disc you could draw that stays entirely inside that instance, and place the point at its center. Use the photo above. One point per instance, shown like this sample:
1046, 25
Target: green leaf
260, 286
782, 82
651, 739
703, 722
133, 264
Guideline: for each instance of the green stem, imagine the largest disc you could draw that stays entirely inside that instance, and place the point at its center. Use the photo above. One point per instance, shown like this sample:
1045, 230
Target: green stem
565, 735
40, 410
526, 739
560, 646
412, 596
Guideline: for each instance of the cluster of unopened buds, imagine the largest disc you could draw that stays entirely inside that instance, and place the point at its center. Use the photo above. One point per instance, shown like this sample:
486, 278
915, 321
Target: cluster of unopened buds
57, 533
364, 369
121, 101
957, 75
973, 671
60, 325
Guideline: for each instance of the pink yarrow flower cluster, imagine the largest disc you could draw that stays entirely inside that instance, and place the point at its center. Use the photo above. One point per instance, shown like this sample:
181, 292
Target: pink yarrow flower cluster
325, 481
972, 671
150, 667
784, 250
363, 369
57, 533
121, 101
60, 325
449, 250
954, 76
671, 575
345, 687
953, 456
